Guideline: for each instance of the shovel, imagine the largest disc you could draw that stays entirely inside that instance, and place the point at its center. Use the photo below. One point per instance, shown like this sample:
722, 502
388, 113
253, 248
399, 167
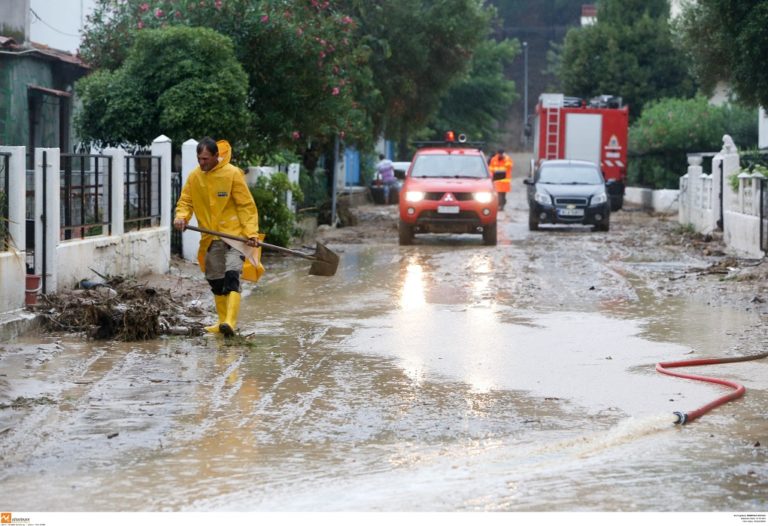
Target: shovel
324, 261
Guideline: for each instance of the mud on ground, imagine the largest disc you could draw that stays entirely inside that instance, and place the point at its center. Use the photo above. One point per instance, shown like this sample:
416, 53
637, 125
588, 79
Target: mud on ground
180, 302
721, 278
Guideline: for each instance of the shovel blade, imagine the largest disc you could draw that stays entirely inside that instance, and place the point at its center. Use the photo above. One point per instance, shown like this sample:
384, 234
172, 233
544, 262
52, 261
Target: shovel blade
325, 261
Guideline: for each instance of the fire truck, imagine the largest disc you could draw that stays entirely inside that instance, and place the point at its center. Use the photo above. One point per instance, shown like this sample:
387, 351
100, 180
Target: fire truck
594, 130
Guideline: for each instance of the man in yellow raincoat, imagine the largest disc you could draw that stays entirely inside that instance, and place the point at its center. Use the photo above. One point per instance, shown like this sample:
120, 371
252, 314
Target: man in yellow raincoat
216, 192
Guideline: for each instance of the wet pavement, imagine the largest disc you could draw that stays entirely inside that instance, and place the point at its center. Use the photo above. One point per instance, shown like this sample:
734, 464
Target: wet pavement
444, 376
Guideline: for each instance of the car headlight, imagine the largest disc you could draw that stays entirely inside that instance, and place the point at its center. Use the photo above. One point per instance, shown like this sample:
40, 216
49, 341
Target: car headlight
414, 197
599, 198
483, 197
542, 198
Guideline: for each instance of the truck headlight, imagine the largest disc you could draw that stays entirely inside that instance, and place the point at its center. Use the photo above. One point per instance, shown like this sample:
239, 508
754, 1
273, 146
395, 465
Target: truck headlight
600, 198
542, 198
483, 197
414, 197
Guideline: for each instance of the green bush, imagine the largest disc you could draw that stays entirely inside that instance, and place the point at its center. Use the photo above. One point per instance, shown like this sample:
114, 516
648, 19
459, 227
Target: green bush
276, 220
669, 129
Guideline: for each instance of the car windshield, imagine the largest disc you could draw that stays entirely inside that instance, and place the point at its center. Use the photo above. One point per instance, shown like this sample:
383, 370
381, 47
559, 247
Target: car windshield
447, 165
569, 175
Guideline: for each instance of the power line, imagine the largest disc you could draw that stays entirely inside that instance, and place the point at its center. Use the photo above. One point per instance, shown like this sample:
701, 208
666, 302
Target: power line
50, 26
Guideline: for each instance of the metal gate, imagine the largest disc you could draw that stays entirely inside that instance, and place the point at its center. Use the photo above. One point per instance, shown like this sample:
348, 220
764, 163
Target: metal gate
175, 194
764, 215
5, 159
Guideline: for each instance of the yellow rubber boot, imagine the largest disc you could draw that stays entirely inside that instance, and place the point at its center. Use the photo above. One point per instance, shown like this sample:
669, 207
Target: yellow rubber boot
221, 310
227, 328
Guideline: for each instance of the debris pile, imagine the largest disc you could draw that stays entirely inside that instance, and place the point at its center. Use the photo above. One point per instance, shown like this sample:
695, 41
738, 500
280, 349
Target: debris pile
119, 309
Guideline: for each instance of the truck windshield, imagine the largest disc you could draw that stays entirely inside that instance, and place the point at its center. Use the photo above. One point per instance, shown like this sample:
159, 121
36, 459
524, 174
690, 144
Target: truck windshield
569, 175
447, 165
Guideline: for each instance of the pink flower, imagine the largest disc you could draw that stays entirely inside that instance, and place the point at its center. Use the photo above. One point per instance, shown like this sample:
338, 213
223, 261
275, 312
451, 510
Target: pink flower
346, 20
299, 32
218, 4
335, 91
159, 13
265, 19
178, 14
144, 7
296, 135
140, 25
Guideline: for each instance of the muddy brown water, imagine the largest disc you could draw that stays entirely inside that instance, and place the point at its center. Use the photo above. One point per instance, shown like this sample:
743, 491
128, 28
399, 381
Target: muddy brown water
446, 376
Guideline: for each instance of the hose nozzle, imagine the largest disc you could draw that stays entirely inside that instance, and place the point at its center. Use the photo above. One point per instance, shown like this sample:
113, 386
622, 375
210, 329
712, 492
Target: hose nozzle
682, 418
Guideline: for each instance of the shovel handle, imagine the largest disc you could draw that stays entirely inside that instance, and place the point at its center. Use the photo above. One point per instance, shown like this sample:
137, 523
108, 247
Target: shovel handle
258, 242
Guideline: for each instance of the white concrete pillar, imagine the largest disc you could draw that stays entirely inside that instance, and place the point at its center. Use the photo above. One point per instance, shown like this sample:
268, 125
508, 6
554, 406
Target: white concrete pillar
762, 130
47, 206
17, 191
13, 263
730, 165
293, 177
162, 147
117, 206
189, 240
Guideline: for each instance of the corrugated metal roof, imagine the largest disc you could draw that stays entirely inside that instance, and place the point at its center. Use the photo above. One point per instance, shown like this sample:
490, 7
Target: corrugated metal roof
9, 44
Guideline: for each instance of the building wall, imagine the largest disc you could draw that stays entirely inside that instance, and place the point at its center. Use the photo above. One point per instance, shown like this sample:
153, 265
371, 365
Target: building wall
22, 106
18, 72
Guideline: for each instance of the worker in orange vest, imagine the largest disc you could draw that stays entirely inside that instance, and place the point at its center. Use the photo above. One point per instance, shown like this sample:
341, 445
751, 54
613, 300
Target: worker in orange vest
502, 163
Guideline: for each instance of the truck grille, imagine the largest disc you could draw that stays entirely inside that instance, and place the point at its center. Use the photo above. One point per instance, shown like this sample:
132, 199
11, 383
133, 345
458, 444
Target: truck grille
460, 196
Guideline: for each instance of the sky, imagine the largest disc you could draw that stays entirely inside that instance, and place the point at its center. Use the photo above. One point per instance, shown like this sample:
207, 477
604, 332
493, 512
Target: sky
59, 23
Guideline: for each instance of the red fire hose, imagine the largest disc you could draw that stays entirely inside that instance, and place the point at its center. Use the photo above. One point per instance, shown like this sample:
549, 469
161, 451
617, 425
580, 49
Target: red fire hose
683, 418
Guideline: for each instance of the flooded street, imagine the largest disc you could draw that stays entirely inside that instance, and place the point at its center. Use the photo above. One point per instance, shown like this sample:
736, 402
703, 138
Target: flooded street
444, 376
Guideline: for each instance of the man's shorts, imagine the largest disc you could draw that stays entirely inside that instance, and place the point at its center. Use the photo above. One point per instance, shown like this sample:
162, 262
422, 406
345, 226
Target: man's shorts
220, 259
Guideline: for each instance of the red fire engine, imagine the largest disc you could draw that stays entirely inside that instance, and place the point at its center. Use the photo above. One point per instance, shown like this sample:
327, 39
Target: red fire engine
596, 131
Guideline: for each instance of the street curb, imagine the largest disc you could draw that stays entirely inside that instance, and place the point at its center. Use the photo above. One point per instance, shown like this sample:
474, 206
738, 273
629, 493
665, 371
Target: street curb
16, 323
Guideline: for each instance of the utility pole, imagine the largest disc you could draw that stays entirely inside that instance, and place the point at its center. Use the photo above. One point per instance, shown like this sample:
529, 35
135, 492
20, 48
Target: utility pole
525, 93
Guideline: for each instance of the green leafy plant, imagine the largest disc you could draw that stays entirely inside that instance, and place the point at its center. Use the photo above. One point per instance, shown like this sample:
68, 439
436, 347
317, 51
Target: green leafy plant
276, 220
669, 129
180, 81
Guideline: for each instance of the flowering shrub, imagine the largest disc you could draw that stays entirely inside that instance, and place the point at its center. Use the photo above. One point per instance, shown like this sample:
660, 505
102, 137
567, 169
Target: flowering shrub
305, 74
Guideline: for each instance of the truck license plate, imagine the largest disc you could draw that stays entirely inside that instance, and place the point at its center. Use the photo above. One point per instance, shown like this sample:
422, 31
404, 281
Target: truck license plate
447, 209
573, 212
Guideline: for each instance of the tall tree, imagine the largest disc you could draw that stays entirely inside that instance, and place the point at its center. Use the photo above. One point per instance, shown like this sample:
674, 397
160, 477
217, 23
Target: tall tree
419, 49
307, 78
629, 52
727, 40
182, 82
479, 103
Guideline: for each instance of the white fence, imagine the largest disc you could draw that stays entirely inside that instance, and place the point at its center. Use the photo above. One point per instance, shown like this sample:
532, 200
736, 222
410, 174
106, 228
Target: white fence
61, 264
709, 202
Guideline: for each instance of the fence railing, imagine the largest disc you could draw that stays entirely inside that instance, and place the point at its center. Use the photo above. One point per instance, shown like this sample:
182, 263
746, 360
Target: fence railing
764, 215
176, 237
142, 192
5, 161
747, 199
85, 195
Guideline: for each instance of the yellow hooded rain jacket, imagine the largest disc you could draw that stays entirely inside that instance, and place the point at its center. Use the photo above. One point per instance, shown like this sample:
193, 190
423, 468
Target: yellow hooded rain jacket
221, 201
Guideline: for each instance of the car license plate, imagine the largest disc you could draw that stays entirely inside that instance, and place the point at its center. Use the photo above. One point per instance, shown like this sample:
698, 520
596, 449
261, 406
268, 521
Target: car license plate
573, 212
447, 209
